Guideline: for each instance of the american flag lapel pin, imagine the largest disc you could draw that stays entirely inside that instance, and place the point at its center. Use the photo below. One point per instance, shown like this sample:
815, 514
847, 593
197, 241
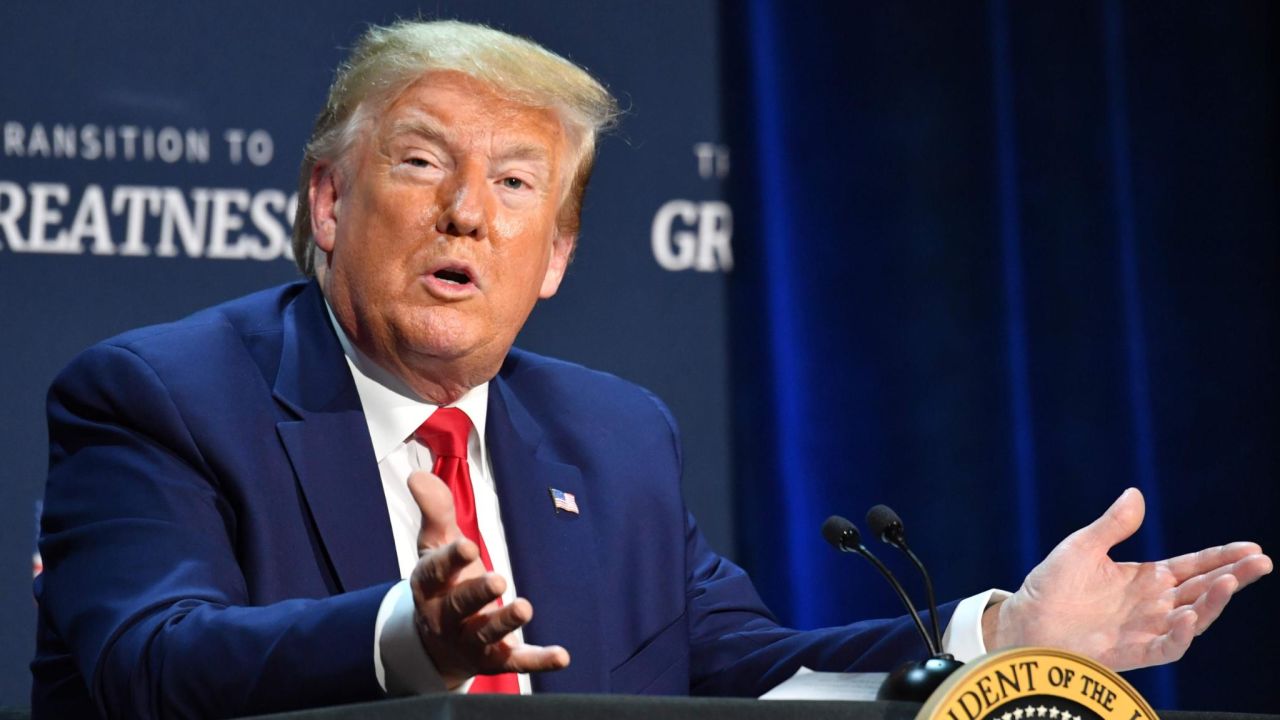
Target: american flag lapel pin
564, 501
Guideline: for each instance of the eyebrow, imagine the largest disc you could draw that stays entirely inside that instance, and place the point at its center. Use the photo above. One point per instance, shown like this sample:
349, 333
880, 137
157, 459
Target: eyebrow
423, 126
529, 152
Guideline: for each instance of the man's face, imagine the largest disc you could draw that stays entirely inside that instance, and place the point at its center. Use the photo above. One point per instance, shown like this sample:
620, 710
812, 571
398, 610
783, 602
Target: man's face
442, 234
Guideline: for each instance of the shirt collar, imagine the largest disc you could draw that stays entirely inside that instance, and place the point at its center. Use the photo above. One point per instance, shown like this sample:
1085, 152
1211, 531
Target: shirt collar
392, 409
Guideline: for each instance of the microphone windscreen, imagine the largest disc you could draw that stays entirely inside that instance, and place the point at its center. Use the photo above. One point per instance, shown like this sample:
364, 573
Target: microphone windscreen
841, 533
882, 520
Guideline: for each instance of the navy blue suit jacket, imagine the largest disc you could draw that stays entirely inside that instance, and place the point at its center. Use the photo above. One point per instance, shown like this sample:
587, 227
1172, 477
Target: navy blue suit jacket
216, 540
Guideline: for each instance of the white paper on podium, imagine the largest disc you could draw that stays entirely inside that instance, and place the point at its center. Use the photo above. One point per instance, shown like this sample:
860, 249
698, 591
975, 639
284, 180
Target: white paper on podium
807, 684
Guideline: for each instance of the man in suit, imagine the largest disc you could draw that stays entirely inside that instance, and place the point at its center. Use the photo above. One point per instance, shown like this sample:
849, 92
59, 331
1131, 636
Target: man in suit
234, 499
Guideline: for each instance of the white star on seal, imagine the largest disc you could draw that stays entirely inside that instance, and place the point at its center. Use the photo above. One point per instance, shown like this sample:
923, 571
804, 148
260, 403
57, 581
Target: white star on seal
1042, 711
1053, 713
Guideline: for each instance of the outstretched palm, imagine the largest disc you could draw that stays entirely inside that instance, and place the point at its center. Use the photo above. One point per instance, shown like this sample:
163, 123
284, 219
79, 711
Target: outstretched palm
1126, 615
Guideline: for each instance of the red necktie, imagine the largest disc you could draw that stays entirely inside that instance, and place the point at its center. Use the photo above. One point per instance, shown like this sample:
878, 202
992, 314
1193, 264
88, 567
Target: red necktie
446, 432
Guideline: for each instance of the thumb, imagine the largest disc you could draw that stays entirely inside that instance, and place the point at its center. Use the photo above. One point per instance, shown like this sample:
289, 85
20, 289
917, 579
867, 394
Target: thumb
1117, 524
439, 526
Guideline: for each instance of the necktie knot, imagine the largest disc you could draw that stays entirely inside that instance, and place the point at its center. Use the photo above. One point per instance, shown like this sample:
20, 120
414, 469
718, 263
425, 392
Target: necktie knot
446, 432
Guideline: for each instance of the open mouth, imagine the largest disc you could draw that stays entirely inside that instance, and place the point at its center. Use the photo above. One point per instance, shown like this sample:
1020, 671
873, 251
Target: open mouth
453, 276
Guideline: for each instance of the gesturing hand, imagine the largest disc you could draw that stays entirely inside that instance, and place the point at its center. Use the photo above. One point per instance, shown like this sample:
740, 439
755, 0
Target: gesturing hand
1125, 615
462, 628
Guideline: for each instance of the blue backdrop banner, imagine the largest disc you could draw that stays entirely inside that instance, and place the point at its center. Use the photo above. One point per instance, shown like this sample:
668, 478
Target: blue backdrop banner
148, 162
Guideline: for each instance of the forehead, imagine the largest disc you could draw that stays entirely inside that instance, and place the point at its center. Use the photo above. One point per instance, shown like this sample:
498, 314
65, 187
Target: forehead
463, 111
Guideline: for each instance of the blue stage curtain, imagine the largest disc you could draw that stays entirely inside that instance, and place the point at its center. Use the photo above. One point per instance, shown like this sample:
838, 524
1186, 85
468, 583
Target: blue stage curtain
996, 262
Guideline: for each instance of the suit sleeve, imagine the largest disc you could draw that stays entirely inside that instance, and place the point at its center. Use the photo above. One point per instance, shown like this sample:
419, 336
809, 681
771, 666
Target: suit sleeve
737, 647
141, 579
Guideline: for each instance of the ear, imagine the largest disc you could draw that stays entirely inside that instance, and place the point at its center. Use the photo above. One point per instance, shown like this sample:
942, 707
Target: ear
322, 193
561, 252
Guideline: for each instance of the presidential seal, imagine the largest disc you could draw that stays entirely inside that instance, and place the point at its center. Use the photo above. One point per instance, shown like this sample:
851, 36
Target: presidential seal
1035, 684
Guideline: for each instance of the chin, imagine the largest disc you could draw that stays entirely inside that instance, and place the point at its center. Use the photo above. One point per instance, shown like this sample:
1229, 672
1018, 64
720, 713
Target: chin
446, 335
435, 347
438, 331
468, 350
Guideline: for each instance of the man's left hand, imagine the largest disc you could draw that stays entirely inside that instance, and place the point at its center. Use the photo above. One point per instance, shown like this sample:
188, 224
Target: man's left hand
1125, 615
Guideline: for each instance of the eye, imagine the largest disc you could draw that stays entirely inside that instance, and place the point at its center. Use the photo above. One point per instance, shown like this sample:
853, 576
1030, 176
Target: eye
514, 183
418, 162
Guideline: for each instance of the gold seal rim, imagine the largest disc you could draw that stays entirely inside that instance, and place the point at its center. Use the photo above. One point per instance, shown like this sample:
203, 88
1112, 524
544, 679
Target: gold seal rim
945, 692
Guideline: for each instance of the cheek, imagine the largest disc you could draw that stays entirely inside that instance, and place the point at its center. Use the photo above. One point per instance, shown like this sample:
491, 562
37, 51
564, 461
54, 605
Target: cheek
389, 235
509, 226
400, 215
424, 210
526, 248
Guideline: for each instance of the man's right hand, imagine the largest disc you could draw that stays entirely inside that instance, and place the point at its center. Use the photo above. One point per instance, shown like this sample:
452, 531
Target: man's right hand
461, 627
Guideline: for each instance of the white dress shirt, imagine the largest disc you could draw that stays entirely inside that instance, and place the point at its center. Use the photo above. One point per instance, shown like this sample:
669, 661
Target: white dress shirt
393, 412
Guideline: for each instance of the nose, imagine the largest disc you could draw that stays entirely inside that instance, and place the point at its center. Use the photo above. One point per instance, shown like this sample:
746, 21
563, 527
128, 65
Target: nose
465, 211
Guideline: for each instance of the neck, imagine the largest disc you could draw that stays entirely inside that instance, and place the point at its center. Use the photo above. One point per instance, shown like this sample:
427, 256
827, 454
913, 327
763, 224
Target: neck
437, 382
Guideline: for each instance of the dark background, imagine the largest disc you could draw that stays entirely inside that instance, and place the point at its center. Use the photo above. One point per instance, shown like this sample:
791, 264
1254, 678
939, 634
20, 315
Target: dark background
994, 262
997, 262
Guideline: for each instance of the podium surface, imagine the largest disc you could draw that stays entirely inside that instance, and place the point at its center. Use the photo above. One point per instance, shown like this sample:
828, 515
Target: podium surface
629, 707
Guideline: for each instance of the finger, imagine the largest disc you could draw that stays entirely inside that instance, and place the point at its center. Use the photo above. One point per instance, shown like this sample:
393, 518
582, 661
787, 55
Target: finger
1191, 590
535, 658
467, 598
1252, 568
1211, 604
439, 525
1120, 521
437, 569
1245, 571
1209, 559
493, 627
1172, 645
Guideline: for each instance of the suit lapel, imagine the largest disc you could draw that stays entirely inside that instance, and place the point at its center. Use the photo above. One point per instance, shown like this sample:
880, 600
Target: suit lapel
328, 446
553, 554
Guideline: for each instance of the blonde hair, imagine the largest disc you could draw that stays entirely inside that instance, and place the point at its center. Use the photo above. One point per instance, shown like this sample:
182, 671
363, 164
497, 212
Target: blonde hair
387, 60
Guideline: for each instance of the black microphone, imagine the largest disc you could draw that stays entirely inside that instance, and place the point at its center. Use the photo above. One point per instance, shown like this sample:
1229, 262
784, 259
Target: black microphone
844, 536
913, 681
887, 526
